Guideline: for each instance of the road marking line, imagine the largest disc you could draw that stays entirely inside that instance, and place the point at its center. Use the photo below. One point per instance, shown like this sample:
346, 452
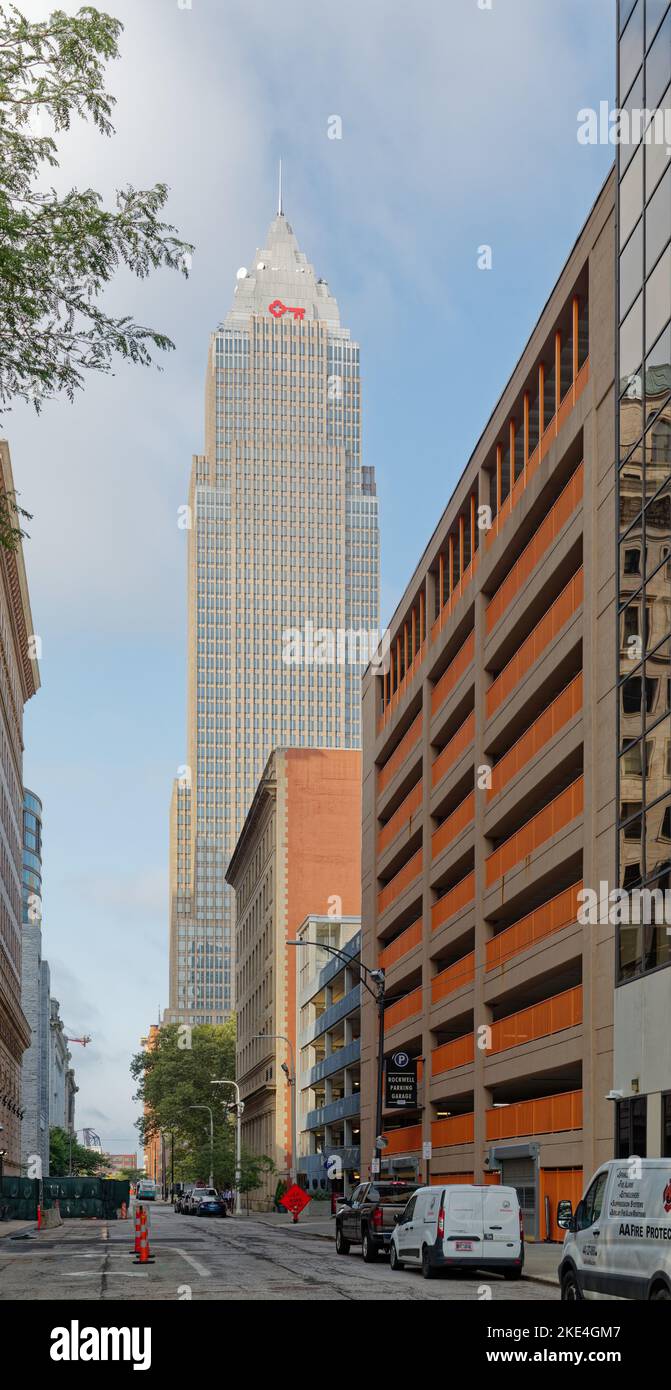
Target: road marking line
200, 1269
93, 1274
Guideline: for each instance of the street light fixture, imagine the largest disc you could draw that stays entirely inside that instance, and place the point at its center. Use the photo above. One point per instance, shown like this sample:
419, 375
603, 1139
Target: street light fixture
291, 1078
239, 1107
377, 977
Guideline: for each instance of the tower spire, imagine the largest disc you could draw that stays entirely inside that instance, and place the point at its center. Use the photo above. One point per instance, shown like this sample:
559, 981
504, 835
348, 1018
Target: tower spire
280, 209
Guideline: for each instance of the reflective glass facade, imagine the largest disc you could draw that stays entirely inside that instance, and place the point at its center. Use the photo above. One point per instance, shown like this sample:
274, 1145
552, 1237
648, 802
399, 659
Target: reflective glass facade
283, 540
644, 473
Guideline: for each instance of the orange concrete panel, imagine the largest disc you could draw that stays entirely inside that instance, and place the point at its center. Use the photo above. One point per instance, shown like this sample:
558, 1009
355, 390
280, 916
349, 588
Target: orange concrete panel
461, 817
454, 1179
408, 742
539, 1021
460, 973
456, 1129
454, 672
557, 517
550, 917
400, 882
401, 817
453, 901
403, 1009
547, 1115
400, 947
401, 1141
557, 714
544, 633
452, 751
537, 831
449, 1055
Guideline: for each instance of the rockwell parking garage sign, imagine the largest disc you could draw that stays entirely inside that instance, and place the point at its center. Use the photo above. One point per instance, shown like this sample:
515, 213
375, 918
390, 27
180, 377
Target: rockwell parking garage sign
401, 1082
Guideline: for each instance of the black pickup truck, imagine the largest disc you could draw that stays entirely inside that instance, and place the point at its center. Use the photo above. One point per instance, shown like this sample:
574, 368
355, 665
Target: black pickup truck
368, 1217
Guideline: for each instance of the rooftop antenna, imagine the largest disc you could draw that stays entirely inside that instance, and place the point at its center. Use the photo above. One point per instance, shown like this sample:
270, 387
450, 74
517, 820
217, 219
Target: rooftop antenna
279, 198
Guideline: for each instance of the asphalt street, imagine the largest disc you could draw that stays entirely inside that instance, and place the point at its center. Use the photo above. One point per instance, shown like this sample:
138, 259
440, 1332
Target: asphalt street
212, 1258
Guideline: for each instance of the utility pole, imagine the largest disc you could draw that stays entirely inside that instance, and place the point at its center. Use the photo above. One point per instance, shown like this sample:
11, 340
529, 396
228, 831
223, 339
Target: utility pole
239, 1107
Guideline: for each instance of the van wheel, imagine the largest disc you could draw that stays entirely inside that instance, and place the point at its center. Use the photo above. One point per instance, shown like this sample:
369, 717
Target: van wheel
427, 1268
368, 1249
661, 1293
513, 1273
570, 1289
342, 1245
394, 1261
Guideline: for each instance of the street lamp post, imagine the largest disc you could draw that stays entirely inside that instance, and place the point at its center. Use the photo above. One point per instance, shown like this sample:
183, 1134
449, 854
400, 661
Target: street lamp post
377, 977
238, 1139
291, 1078
209, 1111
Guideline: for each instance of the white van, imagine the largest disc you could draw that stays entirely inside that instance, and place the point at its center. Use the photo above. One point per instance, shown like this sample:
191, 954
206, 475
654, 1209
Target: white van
460, 1226
618, 1241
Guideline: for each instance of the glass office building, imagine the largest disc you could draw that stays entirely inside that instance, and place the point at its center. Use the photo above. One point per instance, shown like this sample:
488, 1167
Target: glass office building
283, 586
643, 430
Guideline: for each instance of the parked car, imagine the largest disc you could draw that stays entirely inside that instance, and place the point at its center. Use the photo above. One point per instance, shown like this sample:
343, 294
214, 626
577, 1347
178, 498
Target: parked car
197, 1195
367, 1218
460, 1226
211, 1206
618, 1241
181, 1199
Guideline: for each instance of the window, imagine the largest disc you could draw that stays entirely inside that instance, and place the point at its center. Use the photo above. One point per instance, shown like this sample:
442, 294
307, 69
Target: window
666, 1125
631, 1127
589, 1210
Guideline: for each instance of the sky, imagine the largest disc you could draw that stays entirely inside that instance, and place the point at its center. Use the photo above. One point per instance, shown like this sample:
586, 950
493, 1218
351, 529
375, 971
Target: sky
458, 130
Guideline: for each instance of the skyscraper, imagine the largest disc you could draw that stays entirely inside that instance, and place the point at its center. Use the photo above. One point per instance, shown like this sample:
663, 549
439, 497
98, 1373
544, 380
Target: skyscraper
283, 586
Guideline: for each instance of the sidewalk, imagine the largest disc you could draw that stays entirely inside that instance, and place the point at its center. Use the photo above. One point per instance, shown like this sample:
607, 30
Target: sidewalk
540, 1260
14, 1228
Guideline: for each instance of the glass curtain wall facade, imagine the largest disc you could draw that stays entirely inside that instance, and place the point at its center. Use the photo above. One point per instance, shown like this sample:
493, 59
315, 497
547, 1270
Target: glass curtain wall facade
644, 491
283, 586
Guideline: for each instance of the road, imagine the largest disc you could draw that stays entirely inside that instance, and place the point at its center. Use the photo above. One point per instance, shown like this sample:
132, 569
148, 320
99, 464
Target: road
210, 1258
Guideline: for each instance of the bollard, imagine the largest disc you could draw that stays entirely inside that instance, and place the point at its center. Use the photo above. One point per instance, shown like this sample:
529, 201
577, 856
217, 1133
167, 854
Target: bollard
143, 1256
138, 1229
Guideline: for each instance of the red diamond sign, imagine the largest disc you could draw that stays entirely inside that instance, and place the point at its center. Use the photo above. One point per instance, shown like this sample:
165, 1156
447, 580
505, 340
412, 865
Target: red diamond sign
295, 1200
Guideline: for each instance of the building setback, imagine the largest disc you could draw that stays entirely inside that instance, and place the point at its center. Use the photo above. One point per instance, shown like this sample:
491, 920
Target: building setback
329, 1053
19, 680
489, 773
35, 994
62, 1085
283, 586
299, 854
642, 1064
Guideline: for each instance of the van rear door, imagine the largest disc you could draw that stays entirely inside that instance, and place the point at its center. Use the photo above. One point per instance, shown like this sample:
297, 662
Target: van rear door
501, 1222
463, 1224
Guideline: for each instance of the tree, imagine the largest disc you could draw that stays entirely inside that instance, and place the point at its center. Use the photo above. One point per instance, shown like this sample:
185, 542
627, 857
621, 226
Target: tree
66, 1156
130, 1174
57, 254
176, 1073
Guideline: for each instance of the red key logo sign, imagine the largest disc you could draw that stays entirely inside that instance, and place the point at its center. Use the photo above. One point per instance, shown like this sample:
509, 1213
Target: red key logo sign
277, 309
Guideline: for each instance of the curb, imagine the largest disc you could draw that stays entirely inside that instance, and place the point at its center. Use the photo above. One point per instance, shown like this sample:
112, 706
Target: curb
543, 1279
9, 1235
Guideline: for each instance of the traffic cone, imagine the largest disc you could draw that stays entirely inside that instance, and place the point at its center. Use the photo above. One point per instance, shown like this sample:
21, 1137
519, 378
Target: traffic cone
138, 1228
143, 1257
